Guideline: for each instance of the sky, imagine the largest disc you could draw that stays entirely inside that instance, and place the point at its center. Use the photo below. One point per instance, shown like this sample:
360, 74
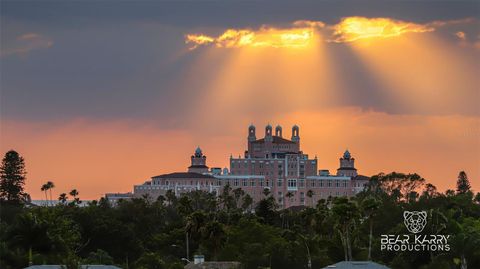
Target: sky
102, 95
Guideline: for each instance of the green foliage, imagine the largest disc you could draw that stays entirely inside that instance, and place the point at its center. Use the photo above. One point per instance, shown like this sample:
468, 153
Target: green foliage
150, 260
146, 233
12, 177
98, 257
463, 184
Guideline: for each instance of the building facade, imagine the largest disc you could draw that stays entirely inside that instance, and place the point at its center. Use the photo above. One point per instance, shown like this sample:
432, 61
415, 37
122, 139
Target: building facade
272, 162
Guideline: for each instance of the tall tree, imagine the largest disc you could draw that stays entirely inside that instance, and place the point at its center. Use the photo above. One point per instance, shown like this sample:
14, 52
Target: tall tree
51, 185
214, 233
225, 198
345, 213
12, 177
45, 188
310, 195
48, 187
370, 207
463, 184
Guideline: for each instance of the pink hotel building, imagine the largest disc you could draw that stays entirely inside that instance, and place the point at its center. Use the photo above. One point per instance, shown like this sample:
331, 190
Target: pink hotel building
272, 162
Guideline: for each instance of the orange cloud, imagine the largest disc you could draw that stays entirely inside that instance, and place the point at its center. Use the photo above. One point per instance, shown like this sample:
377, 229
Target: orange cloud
355, 28
301, 32
264, 37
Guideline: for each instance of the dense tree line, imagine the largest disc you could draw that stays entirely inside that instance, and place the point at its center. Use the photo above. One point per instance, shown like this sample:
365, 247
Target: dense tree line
146, 233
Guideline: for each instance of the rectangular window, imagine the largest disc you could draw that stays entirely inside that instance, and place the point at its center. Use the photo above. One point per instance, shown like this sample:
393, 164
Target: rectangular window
235, 182
301, 183
245, 182
279, 183
260, 182
252, 182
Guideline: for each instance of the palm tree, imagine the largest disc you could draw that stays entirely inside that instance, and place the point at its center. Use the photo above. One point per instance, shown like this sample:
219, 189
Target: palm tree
74, 194
45, 188
193, 226
266, 191
237, 194
171, 198
62, 198
215, 234
289, 195
225, 198
310, 195
51, 185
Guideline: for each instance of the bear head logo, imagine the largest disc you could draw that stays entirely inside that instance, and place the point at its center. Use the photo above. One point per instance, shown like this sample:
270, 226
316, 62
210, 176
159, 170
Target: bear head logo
415, 221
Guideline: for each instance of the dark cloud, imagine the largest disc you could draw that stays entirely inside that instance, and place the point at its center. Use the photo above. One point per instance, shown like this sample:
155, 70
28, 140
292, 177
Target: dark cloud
128, 59
231, 13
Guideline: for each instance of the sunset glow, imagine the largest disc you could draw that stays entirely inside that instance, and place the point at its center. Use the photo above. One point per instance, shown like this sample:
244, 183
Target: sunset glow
264, 37
301, 32
355, 28
364, 83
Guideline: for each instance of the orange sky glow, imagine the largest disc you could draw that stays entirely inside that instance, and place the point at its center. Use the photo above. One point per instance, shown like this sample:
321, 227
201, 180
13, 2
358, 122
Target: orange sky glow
97, 157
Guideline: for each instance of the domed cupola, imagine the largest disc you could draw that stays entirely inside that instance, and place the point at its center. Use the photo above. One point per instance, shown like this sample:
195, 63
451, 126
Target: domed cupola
199, 162
198, 152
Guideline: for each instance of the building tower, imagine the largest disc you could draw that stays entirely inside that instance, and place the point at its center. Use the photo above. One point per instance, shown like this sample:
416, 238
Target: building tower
199, 162
251, 133
295, 134
268, 133
278, 131
347, 165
